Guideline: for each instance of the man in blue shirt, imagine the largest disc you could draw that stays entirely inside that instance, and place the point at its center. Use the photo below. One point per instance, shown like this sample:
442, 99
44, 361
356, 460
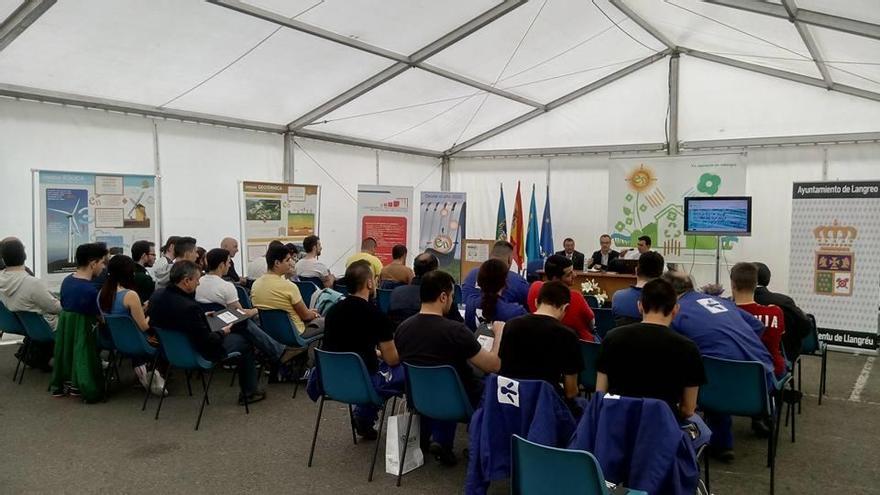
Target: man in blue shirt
720, 329
625, 302
517, 289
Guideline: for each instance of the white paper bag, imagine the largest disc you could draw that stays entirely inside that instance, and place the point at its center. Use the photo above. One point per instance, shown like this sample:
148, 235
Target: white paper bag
395, 441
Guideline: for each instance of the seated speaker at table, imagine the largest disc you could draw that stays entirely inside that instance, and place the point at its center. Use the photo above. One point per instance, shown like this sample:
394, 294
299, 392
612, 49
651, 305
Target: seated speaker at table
605, 255
576, 257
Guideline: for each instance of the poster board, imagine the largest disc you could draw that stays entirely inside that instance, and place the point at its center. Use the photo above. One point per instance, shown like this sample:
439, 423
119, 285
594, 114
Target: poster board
385, 214
443, 218
271, 210
74, 208
835, 259
646, 197
475, 252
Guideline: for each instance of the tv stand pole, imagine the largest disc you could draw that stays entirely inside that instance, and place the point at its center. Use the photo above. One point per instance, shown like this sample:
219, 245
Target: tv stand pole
717, 259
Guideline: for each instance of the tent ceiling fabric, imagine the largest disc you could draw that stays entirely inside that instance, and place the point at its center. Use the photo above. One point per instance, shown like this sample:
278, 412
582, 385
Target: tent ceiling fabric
194, 56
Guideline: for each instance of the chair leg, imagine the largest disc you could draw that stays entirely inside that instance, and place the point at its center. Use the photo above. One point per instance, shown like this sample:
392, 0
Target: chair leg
234, 373
800, 382
378, 441
204, 400
204, 388
189, 388
295, 387
354, 438
17, 366
773, 443
25, 348
822, 374
403, 448
162, 395
706, 465
317, 424
150, 384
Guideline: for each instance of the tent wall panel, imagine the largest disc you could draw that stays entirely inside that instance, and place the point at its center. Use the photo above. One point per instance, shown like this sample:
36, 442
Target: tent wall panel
201, 170
52, 137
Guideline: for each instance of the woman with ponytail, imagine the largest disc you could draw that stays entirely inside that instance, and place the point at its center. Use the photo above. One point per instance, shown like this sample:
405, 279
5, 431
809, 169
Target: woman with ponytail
487, 306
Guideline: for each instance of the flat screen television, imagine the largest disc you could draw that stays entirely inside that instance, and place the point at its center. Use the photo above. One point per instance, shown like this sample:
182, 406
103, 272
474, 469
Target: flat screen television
721, 215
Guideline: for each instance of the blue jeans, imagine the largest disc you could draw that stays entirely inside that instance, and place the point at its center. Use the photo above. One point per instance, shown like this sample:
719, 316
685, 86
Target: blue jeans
262, 341
388, 382
722, 430
247, 368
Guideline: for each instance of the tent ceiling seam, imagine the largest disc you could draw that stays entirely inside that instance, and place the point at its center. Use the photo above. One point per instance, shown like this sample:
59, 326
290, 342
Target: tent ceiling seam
809, 42
22, 18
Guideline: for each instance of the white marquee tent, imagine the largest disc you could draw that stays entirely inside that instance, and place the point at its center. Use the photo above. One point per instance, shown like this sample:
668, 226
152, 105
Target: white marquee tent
459, 95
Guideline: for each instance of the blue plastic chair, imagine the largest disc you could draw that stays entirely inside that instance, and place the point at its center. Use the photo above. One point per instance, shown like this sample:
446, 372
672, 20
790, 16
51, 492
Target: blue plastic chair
739, 388
318, 281
9, 323
538, 469
341, 288
383, 297
306, 289
276, 323
344, 378
390, 284
131, 342
592, 301
604, 321
456, 295
437, 393
181, 355
243, 297
587, 377
812, 346
37, 329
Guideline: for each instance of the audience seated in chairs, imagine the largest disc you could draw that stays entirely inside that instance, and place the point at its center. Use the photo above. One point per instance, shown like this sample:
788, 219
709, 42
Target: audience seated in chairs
214, 289
118, 296
144, 255
231, 244
516, 290
579, 317
540, 347
21, 291
274, 291
184, 249
649, 360
77, 365
309, 267
176, 309
356, 325
431, 339
492, 279
396, 273
624, 303
368, 252
406, 300
722, 330
161, 265
258, 266
797, 324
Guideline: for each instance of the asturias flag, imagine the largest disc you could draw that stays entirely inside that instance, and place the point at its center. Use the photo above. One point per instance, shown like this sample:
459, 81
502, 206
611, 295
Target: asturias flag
546, 229
533, 248
516, 231
501, 222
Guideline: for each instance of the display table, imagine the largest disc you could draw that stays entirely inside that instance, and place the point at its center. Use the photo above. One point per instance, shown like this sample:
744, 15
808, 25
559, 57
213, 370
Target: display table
609, 282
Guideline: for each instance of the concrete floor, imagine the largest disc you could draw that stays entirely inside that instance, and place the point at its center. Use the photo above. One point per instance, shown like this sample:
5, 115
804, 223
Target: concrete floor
63, 446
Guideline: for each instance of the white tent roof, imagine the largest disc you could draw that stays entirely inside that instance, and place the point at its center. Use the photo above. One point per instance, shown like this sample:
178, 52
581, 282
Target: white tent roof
462, 75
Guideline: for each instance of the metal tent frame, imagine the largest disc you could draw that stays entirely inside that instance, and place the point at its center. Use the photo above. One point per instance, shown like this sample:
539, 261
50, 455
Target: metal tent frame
31, 10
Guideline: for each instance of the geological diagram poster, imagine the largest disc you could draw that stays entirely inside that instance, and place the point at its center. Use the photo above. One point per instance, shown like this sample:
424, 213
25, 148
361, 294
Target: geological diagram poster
270, 211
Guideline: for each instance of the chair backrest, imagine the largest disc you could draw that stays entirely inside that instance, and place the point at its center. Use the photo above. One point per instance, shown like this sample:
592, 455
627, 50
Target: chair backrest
810, 344
390, 284
589, 353
127, 337
604, 321
306, 289
592, 301
180, 352
344, 378
383, 296
36, 326
276, 323
456, 295
212, 307
541, 469
341, 288
10, 323
437, 392
315, 280
737, 388
243, 297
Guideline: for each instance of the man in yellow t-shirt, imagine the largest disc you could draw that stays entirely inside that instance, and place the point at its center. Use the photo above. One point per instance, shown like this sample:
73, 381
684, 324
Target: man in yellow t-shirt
274, 291
368, 253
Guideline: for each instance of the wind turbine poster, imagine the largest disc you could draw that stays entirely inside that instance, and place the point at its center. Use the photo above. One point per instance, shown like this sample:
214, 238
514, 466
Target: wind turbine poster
442, 228
77, 208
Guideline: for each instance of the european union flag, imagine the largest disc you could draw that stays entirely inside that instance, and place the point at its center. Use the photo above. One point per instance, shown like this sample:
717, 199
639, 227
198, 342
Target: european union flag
547, 229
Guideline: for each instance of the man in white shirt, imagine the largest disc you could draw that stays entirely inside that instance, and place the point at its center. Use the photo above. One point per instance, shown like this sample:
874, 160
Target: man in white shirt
643, 246
309, 266
212, 289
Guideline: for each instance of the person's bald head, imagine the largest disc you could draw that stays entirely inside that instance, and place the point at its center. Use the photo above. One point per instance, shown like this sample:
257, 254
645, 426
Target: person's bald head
368, 245
681, 282
503, 251
424, 263
230, 244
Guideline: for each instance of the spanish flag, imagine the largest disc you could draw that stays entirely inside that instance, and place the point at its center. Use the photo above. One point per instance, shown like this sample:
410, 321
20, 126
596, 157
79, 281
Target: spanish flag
516, 231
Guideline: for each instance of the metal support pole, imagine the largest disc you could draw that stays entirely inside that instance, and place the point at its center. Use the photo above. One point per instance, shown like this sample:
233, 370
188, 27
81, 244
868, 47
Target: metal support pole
288, 169
157, 171
672, 143
445, 174
717, 260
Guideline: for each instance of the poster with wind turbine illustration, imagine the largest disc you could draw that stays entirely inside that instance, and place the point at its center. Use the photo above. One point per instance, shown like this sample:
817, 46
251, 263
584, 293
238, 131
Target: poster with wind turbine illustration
442, 228
76, 208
